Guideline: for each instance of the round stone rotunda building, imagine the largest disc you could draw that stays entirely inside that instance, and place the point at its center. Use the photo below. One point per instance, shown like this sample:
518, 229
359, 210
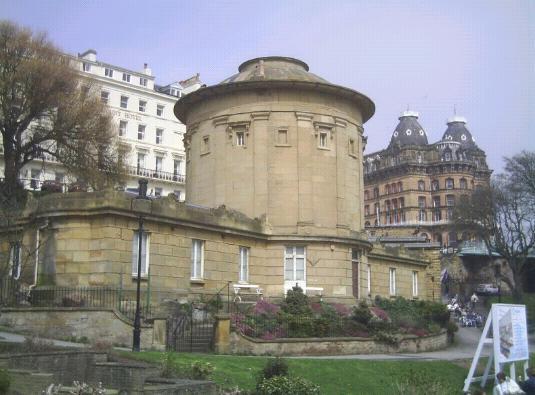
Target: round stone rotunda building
280, 143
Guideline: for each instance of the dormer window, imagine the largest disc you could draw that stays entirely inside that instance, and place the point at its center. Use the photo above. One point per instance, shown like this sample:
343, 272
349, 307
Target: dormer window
108, 72
143, 81
86, 66
126, 77
447, 156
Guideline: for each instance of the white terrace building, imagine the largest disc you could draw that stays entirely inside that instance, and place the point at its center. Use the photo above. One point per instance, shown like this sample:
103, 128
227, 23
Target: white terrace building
149, 131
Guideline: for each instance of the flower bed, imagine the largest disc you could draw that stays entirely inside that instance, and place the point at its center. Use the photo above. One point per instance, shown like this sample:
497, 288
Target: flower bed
386, 321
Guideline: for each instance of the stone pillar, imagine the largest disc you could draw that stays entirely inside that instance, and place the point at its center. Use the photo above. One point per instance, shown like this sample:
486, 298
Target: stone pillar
159, 333
222, 333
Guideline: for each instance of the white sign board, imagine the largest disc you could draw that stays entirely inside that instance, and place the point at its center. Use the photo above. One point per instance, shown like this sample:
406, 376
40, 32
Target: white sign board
509, 342
510, 332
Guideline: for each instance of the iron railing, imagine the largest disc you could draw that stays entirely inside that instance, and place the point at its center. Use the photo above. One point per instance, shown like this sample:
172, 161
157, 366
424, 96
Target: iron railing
155, 174
119, 299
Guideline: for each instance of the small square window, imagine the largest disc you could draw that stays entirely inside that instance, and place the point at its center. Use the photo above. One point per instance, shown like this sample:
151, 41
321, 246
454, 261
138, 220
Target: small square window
122, 127
87, 66
141, 132
108, 72
159, 136
124, 101
142, 81
104, 97
126, 77
159, 110
142, 105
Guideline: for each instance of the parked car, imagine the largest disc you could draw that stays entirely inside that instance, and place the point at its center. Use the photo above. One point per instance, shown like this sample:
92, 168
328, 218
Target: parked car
487, 289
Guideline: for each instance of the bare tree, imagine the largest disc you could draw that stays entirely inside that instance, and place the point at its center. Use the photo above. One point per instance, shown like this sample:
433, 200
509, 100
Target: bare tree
46, 108
502, 216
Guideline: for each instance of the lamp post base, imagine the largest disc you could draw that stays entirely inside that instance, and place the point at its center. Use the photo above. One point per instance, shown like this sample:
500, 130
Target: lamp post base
136, 346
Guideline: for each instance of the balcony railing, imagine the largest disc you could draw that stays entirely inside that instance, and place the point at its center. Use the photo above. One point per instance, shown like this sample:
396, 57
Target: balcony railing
156, 174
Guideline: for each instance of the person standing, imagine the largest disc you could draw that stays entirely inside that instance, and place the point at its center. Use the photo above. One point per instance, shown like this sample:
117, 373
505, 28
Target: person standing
474, 299
528, 386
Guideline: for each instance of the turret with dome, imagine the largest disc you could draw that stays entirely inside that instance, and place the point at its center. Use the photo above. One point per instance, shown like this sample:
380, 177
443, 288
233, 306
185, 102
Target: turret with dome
408, 131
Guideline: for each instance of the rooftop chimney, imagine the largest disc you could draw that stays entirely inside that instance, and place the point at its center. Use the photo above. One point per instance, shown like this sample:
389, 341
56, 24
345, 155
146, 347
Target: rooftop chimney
146, 69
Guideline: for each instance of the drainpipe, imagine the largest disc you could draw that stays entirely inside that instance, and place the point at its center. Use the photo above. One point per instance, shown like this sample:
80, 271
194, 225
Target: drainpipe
36, 264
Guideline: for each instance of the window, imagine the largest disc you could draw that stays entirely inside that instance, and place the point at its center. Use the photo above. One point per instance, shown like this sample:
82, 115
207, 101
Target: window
449, 183
437, 216
142, 81
104, 97
400, 186
366, 195
421, 209
158, 163
450, 202
158, 192
141, 132
142, 106
140, 161
159, 136
462, 183
205, 145
375, 192
177, 167
144, 254
447, 156
392, 281
351, 147
369, 279
355, 266
294, 264
244, 265
35, 175
14, 260
282, 137
87, 66
178, 194
421, 185
108, 72
434, 185
387, 189
366, 210
122, 127
414, 284
377, 210
240, 139
323, 138
159, 110
126, 77
197, 259
124, 101
387, 209
419, 157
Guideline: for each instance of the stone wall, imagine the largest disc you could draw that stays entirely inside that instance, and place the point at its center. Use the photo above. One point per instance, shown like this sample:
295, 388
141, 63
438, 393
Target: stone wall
240, 344
96, 325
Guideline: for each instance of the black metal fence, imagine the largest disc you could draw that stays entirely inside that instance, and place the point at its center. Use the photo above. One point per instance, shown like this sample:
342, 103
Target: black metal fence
122, 300
295, 326
191, 331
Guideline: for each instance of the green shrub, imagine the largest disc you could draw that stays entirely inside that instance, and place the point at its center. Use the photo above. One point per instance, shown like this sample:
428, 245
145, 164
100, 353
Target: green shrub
201, 370
386, 338
274, 367
283, 385
361, 313
296, 302
5, 381
167, 365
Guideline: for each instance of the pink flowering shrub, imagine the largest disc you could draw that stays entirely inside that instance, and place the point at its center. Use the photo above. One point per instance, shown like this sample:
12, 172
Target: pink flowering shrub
379, 313
263, 307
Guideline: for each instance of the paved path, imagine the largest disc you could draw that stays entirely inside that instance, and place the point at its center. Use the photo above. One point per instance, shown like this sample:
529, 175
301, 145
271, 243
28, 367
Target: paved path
15, 338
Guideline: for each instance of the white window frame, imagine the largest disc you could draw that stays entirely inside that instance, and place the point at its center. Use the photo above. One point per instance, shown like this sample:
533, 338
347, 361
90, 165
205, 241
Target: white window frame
126, 77
356, 257
159, 136
243, 269
240, 138
294, 256
159, 110
141, 157
123, 127
158, 163
108, 72
323, 138
142, 106
414, 284
15, 250
86, 67
104, 97
369, 279
143, 81
392, 281
197, 259
124, 101
145, 253
141, 131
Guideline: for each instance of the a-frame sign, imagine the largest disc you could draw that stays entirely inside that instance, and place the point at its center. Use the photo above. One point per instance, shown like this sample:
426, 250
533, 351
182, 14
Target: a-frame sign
506, 330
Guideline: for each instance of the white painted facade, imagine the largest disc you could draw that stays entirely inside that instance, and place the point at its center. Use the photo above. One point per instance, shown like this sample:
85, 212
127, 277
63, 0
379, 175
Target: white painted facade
146, 125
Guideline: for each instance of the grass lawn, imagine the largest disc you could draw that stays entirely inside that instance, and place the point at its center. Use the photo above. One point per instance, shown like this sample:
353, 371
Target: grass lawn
335, 377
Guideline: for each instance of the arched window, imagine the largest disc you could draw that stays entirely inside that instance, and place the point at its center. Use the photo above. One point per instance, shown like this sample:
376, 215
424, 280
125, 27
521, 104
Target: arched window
394, 188
387, 189
449, 183
462, 183
400, 186
434, 185
388, 217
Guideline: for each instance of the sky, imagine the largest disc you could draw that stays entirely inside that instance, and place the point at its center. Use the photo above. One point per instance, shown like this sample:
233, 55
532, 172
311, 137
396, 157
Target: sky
476, 58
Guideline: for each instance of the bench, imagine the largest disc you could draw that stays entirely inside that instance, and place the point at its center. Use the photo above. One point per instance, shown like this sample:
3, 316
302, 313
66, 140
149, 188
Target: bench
315, 290
245, 287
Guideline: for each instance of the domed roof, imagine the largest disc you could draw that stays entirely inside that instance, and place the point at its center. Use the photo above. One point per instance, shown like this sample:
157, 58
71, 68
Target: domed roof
458, 132
274, 68
274, 72
408, 131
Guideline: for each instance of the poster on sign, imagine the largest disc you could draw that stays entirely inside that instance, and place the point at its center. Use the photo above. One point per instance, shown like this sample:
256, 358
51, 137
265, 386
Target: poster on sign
509, 331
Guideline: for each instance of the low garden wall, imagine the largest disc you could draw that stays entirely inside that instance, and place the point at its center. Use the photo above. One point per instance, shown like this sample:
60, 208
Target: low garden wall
95, 325
240, 344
